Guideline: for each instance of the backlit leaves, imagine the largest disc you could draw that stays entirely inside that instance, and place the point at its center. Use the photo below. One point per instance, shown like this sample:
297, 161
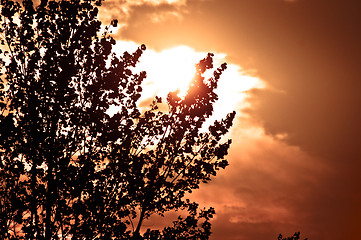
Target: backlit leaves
70, 169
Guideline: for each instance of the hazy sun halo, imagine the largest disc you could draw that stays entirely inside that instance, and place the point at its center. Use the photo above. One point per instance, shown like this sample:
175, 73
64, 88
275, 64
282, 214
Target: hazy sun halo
172, 69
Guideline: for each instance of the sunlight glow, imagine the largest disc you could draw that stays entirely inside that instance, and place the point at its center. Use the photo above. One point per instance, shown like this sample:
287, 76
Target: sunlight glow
173, 69
169, 70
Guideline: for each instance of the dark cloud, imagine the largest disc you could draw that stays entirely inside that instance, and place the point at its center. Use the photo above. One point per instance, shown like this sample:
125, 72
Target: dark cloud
267, 189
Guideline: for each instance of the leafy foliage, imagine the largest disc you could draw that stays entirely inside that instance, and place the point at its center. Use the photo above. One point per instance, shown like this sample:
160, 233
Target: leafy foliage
295, 236
70, 169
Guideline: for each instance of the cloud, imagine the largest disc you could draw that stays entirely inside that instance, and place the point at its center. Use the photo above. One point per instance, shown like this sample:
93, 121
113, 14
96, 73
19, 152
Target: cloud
254, 190
269, 186
154, 2
149, 10
269, 183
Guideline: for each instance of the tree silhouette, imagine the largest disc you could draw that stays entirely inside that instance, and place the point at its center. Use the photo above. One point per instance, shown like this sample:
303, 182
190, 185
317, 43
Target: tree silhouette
69, 169
296, 236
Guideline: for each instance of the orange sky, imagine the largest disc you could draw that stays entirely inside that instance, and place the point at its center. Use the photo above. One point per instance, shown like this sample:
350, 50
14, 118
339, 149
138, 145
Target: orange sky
295, 161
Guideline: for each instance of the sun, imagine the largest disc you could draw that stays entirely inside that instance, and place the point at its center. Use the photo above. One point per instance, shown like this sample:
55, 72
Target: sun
172, 69
169, 70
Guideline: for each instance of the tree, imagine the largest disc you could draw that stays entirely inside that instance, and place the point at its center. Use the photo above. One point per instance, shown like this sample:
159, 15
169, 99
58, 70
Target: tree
296, 236
70, 169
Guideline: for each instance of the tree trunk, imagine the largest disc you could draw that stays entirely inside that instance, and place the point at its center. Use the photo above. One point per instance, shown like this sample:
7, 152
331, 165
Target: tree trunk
33, 203
136, 234
48, 200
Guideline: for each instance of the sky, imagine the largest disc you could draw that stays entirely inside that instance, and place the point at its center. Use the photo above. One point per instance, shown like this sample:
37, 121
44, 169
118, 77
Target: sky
294, 78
